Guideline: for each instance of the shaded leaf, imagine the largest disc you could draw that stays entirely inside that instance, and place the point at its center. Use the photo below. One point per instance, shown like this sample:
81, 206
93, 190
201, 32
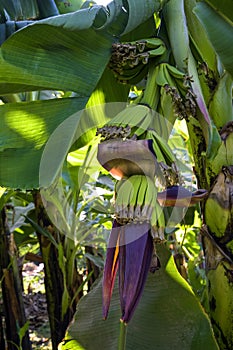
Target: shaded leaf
139, 11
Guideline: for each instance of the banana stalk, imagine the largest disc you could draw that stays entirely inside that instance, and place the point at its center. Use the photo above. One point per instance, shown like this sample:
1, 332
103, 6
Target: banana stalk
224, 156
175, 20
217, 231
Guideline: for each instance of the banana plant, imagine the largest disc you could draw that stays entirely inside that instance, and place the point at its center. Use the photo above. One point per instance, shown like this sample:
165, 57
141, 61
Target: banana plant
173, 54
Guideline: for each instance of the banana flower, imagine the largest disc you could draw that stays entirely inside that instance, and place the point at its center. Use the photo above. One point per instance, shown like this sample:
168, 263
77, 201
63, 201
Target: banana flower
129, 252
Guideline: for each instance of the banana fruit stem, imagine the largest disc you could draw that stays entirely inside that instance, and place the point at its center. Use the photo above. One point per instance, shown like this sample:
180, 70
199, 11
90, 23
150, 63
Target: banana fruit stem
122, 336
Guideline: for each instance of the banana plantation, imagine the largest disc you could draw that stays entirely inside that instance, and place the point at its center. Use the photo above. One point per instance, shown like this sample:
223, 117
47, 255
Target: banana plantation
116, 173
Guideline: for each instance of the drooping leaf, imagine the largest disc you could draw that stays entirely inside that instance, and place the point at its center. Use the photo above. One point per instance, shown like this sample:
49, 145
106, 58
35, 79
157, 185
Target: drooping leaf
139, 12
63, 53
167, 303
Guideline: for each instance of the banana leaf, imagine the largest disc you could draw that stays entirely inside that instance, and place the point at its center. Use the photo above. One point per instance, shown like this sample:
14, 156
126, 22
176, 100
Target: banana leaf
25, 129
219, 30
69, 53
62, 53
168, 304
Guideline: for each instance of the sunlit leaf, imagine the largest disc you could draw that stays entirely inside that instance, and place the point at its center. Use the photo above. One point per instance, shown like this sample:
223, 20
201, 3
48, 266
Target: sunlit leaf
25, 128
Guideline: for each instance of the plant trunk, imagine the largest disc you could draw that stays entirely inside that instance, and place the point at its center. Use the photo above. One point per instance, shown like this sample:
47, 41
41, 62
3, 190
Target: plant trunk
217, 230
13, 307
218, 242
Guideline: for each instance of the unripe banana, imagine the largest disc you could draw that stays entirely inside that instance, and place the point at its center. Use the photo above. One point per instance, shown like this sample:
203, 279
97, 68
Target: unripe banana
140, 198
156, 148
135, 199
158, 222
145, 123
166, 106
174, 72
132, 115
123, 198
149, 199
162, 150
151, 43
137, 181
161, 79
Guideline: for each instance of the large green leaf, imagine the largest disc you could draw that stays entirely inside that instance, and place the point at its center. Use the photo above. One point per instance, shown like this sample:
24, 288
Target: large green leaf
62, 53
25, 128
68, 52
220, 32
168, 316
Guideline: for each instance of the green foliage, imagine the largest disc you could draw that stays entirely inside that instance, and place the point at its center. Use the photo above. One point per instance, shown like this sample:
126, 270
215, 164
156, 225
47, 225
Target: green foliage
167, 303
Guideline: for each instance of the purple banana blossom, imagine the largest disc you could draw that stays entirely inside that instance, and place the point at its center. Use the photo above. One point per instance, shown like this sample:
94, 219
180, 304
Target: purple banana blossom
130, 251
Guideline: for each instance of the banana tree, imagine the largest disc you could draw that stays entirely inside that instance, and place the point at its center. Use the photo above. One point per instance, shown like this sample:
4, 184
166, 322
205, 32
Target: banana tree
179, 61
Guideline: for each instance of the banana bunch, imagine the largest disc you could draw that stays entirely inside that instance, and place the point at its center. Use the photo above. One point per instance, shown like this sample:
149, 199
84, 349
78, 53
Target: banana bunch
129, 60
133, 121
175, 90
136, 200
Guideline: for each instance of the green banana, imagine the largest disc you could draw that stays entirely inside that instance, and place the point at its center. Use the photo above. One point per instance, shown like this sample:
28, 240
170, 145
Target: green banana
166, 107
133, 79
146, 123
162, 150
150, 43
140, 197
156, 148
149, 199
158, 222
157, 52
137, 182
135, 199
133, 120
129, 60
176, 73
224, 156
124, 194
